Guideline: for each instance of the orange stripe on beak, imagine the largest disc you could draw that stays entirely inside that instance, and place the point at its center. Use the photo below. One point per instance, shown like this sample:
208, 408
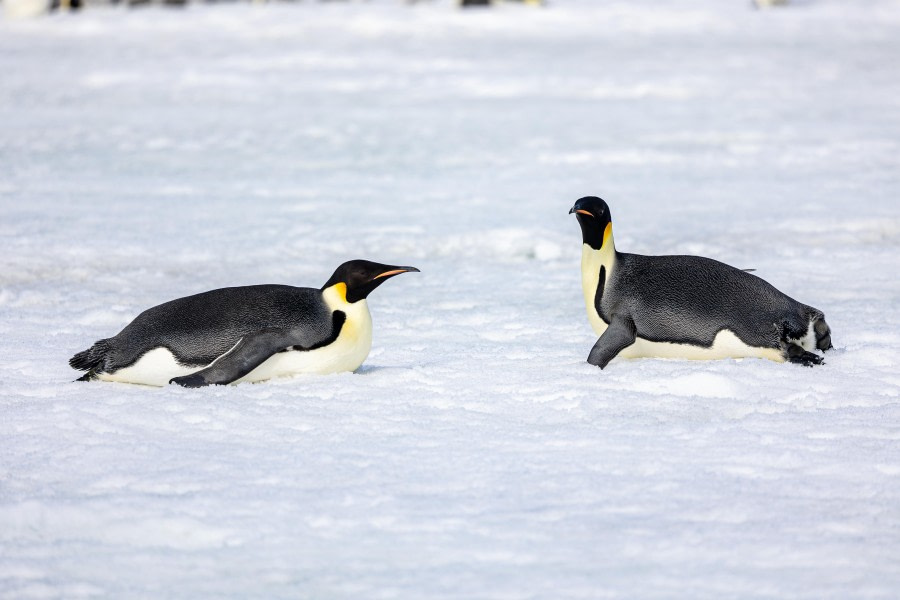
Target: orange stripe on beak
584, 212
389, 273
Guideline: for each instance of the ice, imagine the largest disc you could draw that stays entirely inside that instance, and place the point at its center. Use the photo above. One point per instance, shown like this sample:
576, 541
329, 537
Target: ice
151, 154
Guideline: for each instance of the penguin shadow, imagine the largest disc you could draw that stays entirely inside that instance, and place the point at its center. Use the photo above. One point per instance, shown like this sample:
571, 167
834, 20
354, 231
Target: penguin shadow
369, 369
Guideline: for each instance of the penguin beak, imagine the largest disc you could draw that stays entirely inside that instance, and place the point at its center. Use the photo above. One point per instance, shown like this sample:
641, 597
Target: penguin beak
395, 271
579, 211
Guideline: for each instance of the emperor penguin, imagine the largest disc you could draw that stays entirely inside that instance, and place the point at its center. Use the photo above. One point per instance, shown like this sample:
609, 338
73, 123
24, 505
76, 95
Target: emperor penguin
249, 333
687, 307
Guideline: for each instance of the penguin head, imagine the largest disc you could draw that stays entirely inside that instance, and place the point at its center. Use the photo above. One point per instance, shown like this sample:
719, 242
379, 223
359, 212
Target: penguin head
593, 216
362, 276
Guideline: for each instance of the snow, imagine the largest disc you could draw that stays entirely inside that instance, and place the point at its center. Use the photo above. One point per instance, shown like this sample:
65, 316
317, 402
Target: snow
151, 154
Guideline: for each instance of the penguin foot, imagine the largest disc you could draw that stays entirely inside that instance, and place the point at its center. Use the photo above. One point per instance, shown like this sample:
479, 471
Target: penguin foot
823, 335
193, 380
89, 376
798, 355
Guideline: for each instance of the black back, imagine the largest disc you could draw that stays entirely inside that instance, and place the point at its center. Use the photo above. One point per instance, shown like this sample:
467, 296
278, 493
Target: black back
197, 329
689, 299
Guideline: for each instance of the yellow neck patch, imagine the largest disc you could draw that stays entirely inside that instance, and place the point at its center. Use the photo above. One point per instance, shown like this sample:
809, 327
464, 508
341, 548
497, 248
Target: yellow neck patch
607, 233
341, 289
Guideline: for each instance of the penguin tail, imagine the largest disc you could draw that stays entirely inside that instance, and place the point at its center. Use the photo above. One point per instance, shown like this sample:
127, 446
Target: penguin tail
90, 360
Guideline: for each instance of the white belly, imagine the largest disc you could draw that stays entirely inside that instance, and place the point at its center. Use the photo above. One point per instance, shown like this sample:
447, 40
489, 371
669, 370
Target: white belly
725, 345
591, 262
156, 367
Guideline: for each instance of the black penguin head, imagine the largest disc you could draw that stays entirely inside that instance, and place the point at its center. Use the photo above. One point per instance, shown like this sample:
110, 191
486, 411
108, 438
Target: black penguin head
593, 216
362, 276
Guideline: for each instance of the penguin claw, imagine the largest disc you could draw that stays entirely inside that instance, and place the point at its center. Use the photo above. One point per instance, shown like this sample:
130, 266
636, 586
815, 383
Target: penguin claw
89, 376
811, 361
798, 355
190, 381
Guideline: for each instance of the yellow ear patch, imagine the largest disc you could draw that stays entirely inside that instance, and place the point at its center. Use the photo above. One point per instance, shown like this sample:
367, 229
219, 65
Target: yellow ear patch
341, 289
607, 233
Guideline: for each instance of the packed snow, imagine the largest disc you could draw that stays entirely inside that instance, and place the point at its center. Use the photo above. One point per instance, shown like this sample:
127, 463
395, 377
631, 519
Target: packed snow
151, 154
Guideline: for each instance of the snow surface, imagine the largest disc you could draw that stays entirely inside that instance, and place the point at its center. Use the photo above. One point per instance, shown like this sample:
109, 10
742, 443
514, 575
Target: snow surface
150, 154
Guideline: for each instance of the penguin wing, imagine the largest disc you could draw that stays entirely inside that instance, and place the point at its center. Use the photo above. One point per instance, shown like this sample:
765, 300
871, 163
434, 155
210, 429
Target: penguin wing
620, 334
251, 351
256, 347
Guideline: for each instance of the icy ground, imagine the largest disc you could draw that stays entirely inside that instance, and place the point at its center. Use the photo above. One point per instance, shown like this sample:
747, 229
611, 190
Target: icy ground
150, 154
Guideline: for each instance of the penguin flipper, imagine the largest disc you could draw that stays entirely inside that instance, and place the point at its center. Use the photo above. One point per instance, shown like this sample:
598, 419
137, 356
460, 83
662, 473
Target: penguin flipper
620, 334
250, 352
